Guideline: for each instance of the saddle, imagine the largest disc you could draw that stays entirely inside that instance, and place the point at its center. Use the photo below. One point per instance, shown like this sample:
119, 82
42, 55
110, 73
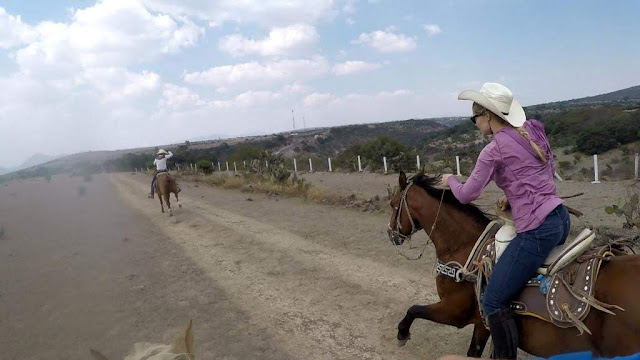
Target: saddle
571, 270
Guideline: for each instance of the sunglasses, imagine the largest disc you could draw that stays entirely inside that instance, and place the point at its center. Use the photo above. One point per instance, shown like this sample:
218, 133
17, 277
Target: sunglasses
473, 118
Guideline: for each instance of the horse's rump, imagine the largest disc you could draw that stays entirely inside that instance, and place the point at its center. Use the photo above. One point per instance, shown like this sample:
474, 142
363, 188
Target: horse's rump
166, 181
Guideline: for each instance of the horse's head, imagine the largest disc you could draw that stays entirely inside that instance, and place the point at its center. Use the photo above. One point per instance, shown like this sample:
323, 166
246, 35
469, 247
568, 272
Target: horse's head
181, 349
401, 225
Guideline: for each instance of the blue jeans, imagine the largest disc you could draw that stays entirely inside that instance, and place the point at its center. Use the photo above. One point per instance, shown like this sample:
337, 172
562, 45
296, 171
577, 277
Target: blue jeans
522, 258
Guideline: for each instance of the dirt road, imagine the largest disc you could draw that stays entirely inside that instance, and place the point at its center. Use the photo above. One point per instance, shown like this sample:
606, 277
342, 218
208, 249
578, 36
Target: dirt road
267, 278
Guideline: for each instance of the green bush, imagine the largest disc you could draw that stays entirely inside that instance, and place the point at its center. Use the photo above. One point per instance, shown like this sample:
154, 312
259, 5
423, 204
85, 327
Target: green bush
630, 209
371, 154
205, 166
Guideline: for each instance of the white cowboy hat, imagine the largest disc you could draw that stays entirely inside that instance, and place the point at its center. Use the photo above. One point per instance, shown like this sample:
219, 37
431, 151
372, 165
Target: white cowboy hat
162, 152
499, 100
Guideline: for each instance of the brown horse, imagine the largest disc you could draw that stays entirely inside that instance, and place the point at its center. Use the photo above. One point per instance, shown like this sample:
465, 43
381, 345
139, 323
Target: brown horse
165, 185
454, 228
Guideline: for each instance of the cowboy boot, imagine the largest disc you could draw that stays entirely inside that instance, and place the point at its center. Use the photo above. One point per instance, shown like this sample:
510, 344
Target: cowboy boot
504, 334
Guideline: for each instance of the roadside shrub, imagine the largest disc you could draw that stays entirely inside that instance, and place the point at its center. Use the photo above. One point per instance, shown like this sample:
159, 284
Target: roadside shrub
629, 208
205, 166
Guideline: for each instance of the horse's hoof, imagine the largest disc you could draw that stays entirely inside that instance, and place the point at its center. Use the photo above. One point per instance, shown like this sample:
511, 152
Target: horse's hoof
402, 343
403, 338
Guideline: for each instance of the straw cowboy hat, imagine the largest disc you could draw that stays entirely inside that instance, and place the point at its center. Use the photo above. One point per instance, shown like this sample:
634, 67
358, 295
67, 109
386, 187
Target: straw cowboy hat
162, 152
499, 100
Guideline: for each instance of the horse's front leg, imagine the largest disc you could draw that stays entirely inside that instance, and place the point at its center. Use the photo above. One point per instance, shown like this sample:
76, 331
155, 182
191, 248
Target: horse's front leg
444, 312
479, 340
177, 200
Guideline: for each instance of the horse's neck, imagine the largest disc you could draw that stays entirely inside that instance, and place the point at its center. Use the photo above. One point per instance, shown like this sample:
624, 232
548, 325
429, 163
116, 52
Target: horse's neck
455, 233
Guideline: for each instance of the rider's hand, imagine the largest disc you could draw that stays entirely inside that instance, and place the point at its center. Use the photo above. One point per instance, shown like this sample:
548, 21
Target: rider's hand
444, 179
503, 203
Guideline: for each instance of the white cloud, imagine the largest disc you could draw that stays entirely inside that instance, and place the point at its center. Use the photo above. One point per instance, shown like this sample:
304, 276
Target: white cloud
249, 99
111, 33
296, 88
266, 13
350, 21
432, 29
281, 41
117, 84
352, 67
13, 32
317, 99
179, 98
253, 73
387, 41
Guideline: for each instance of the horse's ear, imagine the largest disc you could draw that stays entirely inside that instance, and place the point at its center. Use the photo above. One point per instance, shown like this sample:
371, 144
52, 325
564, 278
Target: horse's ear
183, 344
97, 355
402, 180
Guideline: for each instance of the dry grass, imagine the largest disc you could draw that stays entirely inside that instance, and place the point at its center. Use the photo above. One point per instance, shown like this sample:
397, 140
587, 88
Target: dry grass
292, 187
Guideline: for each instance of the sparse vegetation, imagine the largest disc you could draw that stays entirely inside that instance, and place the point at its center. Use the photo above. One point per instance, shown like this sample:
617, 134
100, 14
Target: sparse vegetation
629, 208
82, 190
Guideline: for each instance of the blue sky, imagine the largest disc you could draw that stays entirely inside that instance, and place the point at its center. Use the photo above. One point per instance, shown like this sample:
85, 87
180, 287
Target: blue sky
84, 75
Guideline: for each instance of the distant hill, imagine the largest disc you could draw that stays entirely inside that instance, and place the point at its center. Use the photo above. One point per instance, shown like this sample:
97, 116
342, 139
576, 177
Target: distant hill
627, 98
588, 120
34, 160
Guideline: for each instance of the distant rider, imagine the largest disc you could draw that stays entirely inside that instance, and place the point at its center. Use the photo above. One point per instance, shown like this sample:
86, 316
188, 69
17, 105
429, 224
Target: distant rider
161, 166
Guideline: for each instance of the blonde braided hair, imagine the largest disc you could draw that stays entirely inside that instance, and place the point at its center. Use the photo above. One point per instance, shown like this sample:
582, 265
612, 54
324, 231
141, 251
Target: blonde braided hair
477, 109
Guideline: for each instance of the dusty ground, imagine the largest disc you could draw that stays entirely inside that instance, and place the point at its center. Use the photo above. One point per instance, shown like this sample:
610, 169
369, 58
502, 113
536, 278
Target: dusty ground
262, 277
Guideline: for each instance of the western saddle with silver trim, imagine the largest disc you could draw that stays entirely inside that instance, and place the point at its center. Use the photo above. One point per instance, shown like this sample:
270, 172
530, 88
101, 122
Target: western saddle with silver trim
572, 268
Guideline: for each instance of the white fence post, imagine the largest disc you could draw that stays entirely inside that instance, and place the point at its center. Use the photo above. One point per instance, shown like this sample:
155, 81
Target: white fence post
227, 165
219, 166
329, 159
295, 165
147, 169
637, 165
266, 164
384, 161
458, 165
196, 166
235, 169
595, 169
418, 161
244, 164
359, 164
212, 166
136, 170
310, 165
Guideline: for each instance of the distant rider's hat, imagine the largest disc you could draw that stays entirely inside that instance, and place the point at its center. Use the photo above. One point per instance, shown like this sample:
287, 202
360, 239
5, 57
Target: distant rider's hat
162, 152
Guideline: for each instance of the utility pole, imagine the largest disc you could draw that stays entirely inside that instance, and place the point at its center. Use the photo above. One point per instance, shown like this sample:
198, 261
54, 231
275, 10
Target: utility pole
293, 119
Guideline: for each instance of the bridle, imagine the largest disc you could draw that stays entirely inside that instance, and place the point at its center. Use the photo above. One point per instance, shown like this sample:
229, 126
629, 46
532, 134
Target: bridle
396, 236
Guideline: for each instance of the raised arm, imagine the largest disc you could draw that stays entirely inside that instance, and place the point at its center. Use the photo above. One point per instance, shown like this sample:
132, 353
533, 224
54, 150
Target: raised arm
480, 177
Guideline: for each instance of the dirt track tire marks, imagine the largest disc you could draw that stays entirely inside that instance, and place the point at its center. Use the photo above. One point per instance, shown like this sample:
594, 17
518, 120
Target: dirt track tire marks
318, 301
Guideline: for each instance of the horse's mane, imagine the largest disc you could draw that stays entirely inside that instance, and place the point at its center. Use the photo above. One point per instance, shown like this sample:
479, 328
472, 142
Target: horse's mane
428, 184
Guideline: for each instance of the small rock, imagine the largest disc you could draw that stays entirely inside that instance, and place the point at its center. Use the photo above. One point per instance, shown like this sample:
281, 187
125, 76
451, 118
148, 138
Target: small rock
249, 199
138, 287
